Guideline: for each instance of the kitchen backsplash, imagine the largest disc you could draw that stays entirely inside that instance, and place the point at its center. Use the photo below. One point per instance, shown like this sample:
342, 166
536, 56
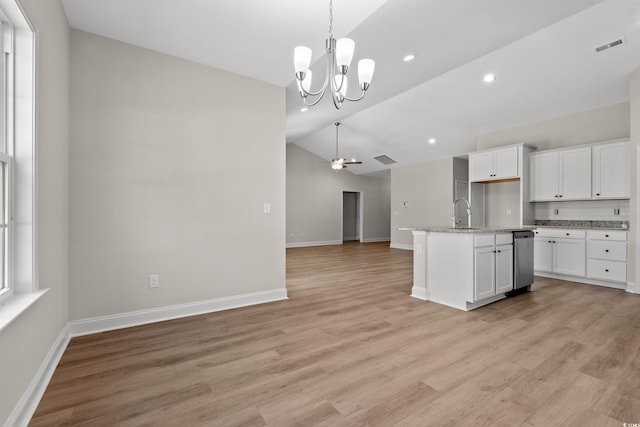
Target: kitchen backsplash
591, 210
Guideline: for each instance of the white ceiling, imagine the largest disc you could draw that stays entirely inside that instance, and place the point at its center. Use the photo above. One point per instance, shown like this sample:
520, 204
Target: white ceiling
541, 51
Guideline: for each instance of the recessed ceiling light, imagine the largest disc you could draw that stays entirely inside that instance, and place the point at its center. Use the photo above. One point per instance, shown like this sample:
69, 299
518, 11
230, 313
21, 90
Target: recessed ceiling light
304, 109
432, 140
409, 57
489, 78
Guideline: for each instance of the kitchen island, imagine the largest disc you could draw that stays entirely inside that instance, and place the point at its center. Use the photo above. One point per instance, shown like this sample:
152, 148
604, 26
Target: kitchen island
463, 268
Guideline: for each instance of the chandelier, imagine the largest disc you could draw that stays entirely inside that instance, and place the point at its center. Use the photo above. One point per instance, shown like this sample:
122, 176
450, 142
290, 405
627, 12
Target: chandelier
339, 55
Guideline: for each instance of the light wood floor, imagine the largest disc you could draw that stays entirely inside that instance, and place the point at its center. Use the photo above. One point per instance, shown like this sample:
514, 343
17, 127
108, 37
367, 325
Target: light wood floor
350, 348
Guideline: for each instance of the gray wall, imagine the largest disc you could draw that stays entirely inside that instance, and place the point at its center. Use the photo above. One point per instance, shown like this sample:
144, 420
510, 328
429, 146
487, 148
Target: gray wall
171, 164
25, 342
314, 200
427, 190
597, 125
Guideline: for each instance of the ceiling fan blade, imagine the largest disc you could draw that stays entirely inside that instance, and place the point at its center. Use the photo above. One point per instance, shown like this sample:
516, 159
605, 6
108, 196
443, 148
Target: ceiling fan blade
352, 163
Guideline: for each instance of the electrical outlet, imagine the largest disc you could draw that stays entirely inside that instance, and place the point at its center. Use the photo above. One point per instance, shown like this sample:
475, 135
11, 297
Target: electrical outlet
616, 211
154, 280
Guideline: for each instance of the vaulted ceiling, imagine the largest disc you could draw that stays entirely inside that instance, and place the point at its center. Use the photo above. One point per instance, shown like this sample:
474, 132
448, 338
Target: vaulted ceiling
542, 53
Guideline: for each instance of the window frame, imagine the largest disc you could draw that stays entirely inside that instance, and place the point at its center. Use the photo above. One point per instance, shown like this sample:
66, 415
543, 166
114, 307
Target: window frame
19, 126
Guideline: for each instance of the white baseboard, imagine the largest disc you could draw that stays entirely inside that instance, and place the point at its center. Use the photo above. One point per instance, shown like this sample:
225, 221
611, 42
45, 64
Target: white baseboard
401, 246
633, 288
376, 239
141, 317
419, 293
307, 244
28, 403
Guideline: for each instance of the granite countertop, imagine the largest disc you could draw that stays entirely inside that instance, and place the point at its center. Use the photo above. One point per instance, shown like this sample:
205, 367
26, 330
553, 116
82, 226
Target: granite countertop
582, 224
443, 229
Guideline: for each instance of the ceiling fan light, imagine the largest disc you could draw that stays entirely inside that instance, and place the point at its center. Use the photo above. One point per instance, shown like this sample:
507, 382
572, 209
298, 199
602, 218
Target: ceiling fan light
366, 67
337, 164
344, 54
301, 60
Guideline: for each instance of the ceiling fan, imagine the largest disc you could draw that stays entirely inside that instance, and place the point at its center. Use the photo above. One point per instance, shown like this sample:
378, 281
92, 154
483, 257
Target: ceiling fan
341, 162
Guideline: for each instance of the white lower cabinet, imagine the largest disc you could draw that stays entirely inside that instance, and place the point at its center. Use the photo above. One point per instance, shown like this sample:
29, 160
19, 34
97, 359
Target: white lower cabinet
560, 251
599, 256
607, 255
569, 256
493, 265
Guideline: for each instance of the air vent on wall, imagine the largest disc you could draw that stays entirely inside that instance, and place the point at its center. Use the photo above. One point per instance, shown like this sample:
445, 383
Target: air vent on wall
385, 160
606, 46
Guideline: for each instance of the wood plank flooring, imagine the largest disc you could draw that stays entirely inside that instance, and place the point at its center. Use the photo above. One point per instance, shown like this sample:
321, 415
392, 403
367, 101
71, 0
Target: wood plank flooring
351, 348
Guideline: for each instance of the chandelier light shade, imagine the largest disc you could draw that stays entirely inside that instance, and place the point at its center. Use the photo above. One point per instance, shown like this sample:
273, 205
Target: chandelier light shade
339, 55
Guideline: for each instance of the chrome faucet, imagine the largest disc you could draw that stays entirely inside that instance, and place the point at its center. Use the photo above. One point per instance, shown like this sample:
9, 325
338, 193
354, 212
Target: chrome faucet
454, 220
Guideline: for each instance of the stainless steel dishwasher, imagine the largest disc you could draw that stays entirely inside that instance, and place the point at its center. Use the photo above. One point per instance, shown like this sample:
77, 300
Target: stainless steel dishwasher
522, 261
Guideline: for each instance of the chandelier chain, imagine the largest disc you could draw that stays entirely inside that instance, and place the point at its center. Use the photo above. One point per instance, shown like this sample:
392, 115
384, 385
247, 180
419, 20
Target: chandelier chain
330, 18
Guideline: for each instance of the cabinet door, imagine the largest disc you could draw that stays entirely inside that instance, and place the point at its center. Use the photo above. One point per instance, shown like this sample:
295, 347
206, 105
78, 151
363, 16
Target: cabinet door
505, 163
543, 169
504, 269
575, 174
611, 171
481, 166
569, 257
542, 254
484, 273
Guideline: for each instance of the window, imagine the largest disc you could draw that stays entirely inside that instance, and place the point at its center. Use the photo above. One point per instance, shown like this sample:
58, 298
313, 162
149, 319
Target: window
6, 151
18, 268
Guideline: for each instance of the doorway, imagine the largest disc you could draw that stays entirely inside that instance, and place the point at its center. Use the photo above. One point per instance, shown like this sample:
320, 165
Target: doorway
351, 216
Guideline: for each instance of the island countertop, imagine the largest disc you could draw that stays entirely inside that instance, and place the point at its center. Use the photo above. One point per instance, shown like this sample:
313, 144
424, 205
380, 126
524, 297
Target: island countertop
445, 229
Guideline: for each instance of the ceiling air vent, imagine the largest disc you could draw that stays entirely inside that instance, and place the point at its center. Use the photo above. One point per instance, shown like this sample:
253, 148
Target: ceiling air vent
385, 160
606, 46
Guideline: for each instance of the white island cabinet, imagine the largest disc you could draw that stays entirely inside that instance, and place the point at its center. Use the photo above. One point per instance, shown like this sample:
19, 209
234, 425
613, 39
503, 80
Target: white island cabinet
462, 268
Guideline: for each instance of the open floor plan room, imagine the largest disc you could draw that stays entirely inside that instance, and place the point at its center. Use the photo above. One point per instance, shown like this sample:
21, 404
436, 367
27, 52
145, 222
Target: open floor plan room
351, 347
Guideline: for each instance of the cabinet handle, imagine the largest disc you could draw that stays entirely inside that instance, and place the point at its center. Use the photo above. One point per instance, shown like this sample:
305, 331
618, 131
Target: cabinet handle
597, 194
606, 270
606, 235
568, 234
550, 241
555, 196
606, 250
560, 195
553, 241
499, 252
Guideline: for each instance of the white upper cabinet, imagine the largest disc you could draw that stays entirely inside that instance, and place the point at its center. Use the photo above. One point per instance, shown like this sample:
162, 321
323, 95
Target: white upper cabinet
611, 171
492, 165
543, 169
575, 174
560, 175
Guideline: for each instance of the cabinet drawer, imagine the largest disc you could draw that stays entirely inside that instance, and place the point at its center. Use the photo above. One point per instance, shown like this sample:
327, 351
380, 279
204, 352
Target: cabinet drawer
504, 239
484, 240
567, 233
612, 251
615, 271
620, 236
